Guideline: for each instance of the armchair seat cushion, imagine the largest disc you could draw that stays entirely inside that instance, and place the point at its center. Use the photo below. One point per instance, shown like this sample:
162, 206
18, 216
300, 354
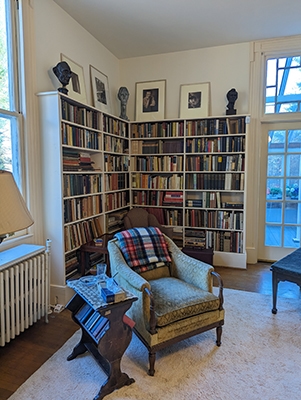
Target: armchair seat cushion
176, 300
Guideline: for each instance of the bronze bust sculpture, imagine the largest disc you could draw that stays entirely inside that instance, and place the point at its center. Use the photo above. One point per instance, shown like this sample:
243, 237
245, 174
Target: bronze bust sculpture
123, 96
63, 72
232, 96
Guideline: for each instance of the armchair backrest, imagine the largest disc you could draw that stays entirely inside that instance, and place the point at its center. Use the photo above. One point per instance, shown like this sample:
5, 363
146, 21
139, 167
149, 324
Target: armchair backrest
146, 251
139, 217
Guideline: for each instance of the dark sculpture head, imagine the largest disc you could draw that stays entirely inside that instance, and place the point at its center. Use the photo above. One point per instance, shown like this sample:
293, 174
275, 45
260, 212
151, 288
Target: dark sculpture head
123, 94
232, 96
63, 72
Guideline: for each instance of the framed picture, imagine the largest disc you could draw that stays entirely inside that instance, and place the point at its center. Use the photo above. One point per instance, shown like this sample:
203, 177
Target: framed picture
76, 87
150, 100
100, 90
194, 100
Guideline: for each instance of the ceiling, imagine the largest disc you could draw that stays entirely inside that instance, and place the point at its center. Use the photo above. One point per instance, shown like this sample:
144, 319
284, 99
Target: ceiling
132, 28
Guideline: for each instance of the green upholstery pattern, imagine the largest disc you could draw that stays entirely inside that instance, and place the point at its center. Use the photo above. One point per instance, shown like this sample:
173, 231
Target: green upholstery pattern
176, 299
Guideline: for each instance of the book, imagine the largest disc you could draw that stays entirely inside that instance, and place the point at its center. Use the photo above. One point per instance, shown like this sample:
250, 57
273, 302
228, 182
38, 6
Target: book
111, 292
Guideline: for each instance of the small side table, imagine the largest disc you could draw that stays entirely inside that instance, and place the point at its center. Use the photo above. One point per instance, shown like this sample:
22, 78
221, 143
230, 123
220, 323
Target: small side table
106, 333
286, 269
90, 247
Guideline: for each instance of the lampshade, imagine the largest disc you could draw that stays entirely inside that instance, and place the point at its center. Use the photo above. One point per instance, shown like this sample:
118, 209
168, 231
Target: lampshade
14, 214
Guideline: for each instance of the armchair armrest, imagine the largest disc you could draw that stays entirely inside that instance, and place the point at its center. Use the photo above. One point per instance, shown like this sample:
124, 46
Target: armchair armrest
142, 311
220, 289
189, 269
121, 271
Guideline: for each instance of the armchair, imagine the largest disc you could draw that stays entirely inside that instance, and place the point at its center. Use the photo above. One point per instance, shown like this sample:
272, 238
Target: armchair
138, 217
175, 301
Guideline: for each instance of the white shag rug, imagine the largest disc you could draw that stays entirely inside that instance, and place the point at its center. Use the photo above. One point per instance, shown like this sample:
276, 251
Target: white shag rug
259, 359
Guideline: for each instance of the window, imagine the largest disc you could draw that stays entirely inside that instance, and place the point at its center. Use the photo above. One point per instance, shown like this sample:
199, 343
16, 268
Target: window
10, 116
283, 85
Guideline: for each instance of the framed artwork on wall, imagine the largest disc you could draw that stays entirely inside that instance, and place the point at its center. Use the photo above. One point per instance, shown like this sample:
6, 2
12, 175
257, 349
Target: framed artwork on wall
76, 87
100, 90
150, 100
194, 100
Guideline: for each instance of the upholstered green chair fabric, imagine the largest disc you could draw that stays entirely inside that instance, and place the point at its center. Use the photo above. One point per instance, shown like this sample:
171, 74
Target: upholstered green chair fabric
174, 302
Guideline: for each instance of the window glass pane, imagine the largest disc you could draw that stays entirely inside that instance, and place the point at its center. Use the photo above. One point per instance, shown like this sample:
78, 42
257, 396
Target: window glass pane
292, 213
5, 145
270, 92
286, 73
292, 236
281, 62
4, 88
294, 141
293, 165
274, 212
276, 142
272, 236
271, 72
292, 189
274, 189
275, 165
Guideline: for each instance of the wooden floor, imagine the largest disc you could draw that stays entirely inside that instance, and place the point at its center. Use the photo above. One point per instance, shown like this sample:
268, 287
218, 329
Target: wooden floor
24, 355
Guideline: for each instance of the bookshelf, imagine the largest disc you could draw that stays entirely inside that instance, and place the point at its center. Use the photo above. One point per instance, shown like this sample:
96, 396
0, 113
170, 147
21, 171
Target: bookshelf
85, 179
191, 175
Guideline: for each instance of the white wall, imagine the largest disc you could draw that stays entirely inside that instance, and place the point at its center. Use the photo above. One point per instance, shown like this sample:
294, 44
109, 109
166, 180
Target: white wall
56, 32
224, 67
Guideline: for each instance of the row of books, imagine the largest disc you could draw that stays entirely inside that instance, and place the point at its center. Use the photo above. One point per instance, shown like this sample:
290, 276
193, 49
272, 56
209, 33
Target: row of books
93, 321
157, 198
173, 217
82, 207
175, 199
73, 135
114, 220
158, 163
213, 181
116, 181
216, 145
81, 115
81, 232
114, 126
71, 264
117, 200
231, 242
195, 238
116, 145
78, 184
216, 126
211, 200
215, 219
157, 146
150, 181
157, 129
116, 163
77, 161
209, 162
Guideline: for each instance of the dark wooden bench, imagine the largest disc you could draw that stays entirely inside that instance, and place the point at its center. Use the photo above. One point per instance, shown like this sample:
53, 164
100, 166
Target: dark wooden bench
286, 269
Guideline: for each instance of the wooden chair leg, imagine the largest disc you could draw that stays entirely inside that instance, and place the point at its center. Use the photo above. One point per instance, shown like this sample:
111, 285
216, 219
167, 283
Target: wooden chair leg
152, 359
219, 331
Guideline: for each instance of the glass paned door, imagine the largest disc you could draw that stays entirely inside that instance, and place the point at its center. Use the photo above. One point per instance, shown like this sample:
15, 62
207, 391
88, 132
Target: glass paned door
280, 200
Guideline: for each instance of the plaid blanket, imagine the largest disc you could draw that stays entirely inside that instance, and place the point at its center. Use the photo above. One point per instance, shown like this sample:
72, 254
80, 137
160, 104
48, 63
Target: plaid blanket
143, 248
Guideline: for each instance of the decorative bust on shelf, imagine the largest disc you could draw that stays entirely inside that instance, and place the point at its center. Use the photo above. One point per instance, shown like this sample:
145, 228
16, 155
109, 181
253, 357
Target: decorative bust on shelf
232, 96
63, 72
123, 96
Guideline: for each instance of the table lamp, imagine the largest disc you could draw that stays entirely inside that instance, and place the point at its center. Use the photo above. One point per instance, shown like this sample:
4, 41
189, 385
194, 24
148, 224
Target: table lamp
14, 214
